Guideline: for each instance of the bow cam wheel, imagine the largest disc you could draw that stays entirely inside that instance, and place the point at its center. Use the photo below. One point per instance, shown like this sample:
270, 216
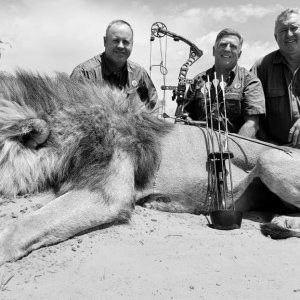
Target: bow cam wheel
158, 29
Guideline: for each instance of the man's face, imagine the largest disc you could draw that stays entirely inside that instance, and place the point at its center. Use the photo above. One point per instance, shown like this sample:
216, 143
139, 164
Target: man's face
118, 43
287, 35
227, 52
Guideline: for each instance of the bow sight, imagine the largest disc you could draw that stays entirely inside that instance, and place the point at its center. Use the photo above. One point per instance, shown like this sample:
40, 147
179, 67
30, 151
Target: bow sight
159, 30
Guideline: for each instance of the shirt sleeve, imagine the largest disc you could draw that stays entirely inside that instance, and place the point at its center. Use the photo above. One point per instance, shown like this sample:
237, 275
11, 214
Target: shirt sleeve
257, 70
152, 97
254, 99
77, 74
190, 99
194, 106
254, 69
82, 75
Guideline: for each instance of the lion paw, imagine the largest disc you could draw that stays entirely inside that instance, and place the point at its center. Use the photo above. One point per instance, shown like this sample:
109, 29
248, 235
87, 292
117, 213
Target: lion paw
8, 251
286, 221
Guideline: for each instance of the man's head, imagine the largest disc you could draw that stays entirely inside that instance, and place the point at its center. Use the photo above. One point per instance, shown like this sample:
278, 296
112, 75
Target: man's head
227, 49
118, 42
287, 32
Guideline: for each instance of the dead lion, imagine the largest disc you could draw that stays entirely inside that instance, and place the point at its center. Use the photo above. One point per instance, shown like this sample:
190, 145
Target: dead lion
100, 155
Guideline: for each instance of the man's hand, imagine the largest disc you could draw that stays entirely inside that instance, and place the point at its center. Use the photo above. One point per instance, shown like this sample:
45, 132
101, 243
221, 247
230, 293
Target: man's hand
250, 127
294, 134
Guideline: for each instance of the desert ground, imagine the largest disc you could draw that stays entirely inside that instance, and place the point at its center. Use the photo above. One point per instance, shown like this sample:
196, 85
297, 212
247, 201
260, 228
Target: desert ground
157, 255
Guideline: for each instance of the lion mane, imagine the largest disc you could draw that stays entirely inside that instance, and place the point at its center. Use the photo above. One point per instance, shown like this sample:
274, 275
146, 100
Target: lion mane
61, 134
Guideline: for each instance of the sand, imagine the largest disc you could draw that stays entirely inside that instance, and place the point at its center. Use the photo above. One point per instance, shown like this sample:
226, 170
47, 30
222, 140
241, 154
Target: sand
157, 255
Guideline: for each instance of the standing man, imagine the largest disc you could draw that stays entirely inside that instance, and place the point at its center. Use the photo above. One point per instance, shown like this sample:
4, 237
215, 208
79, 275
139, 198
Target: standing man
113, 67
244, 96
280, 76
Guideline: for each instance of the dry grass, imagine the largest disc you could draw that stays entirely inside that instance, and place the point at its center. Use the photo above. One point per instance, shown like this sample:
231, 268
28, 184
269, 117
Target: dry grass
4, 281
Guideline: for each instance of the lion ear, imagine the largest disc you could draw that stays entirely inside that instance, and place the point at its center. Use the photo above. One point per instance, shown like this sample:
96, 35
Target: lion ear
34, 132
21, 123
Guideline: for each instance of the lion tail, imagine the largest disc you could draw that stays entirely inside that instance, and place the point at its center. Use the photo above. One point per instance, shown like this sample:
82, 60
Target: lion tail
277, 232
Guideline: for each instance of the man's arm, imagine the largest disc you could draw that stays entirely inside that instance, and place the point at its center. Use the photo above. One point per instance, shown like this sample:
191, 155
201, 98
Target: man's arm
147, 92
294, 134
253, 106
77, 74
250, 127
153, 97
192, 102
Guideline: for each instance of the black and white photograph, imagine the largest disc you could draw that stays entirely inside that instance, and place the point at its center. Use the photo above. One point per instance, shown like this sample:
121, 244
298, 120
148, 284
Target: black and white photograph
149, 150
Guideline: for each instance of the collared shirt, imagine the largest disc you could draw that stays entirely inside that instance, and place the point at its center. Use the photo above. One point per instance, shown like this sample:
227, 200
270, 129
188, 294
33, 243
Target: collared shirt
282, 93
133, 78
243, 96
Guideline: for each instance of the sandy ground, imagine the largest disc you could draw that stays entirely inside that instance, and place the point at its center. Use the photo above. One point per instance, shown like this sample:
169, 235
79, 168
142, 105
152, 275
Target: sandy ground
156, 256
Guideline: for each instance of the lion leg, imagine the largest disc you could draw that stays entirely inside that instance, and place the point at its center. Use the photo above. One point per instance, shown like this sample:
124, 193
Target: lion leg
73, 212
291, 221
173, 203
282, 227
280, 172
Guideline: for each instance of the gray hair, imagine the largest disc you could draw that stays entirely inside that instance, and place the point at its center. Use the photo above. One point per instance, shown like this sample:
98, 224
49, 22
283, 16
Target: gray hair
119, 22
229, 31
284, 15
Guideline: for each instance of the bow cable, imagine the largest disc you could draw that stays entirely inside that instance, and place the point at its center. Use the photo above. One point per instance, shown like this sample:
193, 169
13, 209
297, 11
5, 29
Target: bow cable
162, 65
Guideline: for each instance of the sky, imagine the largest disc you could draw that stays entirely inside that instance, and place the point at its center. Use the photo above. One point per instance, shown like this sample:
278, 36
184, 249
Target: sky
47, 36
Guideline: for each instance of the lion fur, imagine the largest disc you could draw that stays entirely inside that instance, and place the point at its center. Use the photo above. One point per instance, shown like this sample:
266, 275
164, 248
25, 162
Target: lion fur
87, 123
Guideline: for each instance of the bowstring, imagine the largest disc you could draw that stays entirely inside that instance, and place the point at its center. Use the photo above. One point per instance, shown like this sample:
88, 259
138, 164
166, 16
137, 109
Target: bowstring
164, 74
162, 68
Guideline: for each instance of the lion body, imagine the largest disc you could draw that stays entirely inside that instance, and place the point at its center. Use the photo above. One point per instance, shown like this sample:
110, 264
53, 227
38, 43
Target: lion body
100, 155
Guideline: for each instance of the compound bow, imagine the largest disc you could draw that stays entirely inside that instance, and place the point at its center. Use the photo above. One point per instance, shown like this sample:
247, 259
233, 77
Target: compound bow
159, 30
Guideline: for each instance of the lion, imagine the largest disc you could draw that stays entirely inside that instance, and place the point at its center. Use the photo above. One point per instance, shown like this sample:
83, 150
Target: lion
101, 154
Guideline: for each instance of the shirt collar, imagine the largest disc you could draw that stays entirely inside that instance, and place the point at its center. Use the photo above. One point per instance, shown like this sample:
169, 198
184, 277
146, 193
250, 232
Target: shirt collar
278, 58
129, 66
106, 66
230, 78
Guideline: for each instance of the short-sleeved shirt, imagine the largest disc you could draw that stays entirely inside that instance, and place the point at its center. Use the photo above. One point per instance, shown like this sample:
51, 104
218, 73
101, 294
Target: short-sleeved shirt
243, 97
133, 78
282, 93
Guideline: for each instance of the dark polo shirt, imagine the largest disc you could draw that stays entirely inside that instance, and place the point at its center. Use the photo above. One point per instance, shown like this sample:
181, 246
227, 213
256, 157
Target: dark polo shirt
243, 96
133, 78
282, 93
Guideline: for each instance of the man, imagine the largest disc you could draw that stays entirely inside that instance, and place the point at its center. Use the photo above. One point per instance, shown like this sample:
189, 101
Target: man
280, 77
244, 96
113, 67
